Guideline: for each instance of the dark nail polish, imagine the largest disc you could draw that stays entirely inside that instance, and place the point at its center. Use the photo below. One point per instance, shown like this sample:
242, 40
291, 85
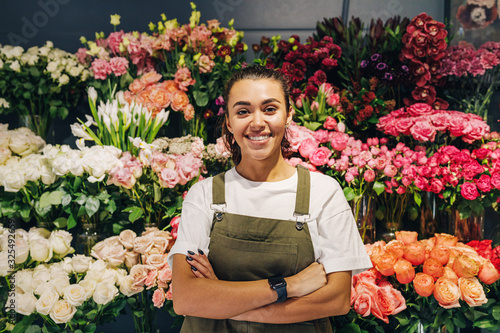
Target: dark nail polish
201, 252
189, 258
193, 268
191, 253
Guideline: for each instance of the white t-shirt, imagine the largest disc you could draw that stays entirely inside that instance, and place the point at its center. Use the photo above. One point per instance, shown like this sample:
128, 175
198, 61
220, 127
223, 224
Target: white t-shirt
334, 234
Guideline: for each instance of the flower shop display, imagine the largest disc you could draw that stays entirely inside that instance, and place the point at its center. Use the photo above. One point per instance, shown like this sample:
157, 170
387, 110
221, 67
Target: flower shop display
39, 84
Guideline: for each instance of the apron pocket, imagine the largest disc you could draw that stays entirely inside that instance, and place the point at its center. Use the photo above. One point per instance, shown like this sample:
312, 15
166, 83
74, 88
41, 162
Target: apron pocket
242, 260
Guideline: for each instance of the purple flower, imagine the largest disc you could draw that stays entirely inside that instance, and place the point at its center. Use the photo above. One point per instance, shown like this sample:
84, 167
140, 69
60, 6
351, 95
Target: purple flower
388, 77
381, 66
219, 101
405, 69
364, 64
375, 57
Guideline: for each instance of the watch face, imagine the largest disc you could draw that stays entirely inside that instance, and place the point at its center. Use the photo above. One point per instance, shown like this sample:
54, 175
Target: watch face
277, 281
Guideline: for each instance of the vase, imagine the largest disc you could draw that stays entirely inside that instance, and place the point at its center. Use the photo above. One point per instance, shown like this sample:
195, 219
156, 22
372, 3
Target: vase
391, 208
88, 237
428, 215
363, 210
144, 313
38, 124
195, 127
471, 228
422, 329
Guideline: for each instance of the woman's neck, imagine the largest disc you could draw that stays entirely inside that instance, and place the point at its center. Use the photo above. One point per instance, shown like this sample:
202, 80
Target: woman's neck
264, 171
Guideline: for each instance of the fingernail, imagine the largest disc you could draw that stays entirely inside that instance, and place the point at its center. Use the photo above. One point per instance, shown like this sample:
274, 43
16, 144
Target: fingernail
191, 253
201, 252
189, 258
193, 268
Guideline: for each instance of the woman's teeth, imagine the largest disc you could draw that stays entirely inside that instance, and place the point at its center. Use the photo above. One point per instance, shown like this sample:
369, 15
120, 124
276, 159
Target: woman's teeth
258, 138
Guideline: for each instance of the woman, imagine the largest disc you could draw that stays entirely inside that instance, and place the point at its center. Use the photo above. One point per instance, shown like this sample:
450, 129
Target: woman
277, 261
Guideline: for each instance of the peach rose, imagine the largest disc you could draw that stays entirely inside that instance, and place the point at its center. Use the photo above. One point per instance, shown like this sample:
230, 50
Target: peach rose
368, 276
160, 98
150, 78
170, 86
140, 273
363, 303
180, 100
414, 253
465, 267
390, 302
131, 259
488, 273
168, 294
405, 272
158, 298
433, 267
446, 239
441, 253
472, 292
375, 250
189, 112
407, 237
127, 237
143, 244
450, 274
385, 263
136, 86
423, 284
397, 247
447, 293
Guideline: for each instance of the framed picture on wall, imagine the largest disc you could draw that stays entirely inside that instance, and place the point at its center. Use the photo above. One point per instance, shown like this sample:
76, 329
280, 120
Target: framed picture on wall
474, 21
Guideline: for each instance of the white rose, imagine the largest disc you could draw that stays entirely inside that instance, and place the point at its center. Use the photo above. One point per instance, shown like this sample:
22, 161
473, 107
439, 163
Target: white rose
81, 263
75, 71
59, 283
4, 263
21, 233
41, 274
96, 271
49, 44
55, 75
52, 66
110, 275
24, 280
5, 139
89, 286
15, 66
62, 312
40, 250
85, 75
127, 286
44, 51
17, 51
25, 303
1, 63
60, 241
47, 174
75, 294
64, 79
46, 302
13, 181
127, 237
57, 270
22, 250
21, 143
3, 101
104, 293
35, 232
33, 50
5, 154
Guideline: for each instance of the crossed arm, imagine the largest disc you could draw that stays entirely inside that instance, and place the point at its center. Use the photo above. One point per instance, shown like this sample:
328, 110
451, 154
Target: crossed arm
312, 294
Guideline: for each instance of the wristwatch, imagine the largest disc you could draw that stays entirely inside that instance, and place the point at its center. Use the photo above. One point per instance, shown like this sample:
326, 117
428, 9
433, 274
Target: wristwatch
278, 283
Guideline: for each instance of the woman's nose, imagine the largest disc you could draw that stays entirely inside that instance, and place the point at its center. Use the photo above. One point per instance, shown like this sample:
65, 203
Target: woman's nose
257, 120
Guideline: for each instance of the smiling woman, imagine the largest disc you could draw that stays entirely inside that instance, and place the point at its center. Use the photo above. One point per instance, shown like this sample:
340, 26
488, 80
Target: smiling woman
253, 251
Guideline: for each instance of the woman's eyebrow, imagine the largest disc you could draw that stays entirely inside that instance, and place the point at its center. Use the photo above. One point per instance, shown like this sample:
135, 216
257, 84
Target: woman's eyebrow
241, 103
270, 100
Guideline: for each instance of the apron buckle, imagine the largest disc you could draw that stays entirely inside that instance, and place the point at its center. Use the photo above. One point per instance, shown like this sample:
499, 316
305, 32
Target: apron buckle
299, 225
300, 220
219, 216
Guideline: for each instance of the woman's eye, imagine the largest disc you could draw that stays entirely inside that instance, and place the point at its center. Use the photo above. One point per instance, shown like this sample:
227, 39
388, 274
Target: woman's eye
241, 112
270, 109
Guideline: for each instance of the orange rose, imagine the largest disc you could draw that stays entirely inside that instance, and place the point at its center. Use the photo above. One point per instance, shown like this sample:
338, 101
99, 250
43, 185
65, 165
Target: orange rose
447, 293
441, 253
136, 86
150, 78
423, 284
160, 98
389, 301
170, 86
385, 263
180, 100
368, 276
395, 246
446, 239
189, 112
450, 274
414, 253
433, 268
405, 272
407, 237
465, 267
472, 292
488, 273
375, 250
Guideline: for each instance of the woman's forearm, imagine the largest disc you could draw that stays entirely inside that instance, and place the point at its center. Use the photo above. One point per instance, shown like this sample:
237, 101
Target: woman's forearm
331, 300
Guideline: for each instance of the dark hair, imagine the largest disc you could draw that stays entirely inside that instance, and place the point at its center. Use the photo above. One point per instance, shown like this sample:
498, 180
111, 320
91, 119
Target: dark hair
253, 73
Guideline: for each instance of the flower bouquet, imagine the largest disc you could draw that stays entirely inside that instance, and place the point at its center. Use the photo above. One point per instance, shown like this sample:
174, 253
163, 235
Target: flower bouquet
39, 84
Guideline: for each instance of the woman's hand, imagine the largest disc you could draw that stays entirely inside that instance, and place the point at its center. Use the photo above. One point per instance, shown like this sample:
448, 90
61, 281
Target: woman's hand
200, 266
306, 281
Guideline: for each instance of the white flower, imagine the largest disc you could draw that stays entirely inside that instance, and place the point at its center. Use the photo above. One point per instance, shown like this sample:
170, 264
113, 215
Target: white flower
49, 44
1, 63
40, 250
55, 75
64, 79
75, 294
59, 283
24, 280
92, 94
104, 293
35, 232
5, 267
47, 300
24, 142
22, 250
41, 274
25, 303
78, 131
75, 71
81, 263
127, 286
44, 51
89, 286
17, 51
52, 66
60, 241
5, 154
11, 180
62, 312
3, 102
15, 66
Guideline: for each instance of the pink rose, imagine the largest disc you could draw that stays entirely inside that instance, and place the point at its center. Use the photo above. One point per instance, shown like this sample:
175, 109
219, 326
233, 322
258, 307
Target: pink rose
440, 121
369, 175
483, 183
188, 167
168, 294
423, 130
121, 177
390, 170
101, 69
158, 297
495, 180
458, 126
140, 273
183, 78
349, 177
420, 109
339, 140
320, 156
150, 281
390, 301
330, 123
322, 136
168, 178
403, 125
469, 191
447, 293
307, 147
119, 65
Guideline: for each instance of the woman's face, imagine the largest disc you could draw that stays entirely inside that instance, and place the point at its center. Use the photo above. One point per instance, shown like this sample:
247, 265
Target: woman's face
257, 117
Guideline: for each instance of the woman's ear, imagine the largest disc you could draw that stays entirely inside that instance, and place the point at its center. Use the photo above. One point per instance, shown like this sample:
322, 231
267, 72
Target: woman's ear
226, 121
289, 116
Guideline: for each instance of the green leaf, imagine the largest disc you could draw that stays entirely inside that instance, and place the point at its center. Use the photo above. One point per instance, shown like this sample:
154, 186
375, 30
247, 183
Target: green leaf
350, 328
459, 320
135, 214
71, 223
34, 71
92, 206
44, 200
22, 326
55, 198
200, 97
496, 311
313, 125
417, 198
157, 192
61, 222
66, 199
412, 213
379, 188
34, 329
484, 323
89, 328
28, 86
349, 193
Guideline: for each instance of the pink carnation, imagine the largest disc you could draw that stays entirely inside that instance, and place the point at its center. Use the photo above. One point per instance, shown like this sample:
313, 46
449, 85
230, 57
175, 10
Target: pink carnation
119, 65
101, 69
183, 78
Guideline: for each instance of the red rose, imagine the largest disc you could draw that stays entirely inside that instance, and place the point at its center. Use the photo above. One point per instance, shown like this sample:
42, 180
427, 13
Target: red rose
330, 123
483, 183
469, 191
495, 180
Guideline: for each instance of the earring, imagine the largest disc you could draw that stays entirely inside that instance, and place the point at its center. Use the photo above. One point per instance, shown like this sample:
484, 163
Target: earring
287, 125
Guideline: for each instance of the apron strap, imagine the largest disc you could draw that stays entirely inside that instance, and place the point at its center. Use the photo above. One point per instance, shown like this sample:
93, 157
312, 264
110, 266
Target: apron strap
218, 190
303, 191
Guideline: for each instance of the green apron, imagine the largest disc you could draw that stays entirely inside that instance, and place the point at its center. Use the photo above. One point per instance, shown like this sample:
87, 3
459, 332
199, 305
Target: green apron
247, 248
